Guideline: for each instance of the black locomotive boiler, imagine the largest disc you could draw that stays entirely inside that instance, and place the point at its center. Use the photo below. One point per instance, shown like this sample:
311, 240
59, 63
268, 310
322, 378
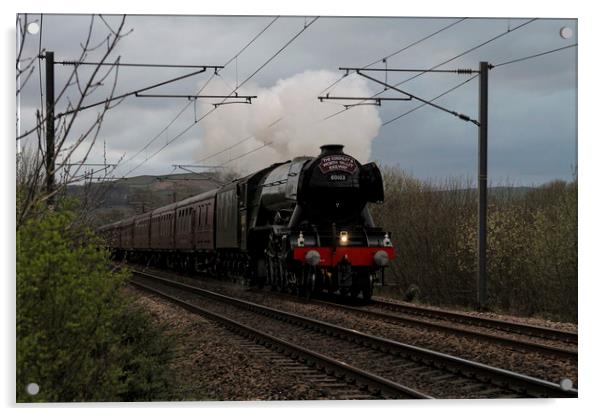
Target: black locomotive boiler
302, 225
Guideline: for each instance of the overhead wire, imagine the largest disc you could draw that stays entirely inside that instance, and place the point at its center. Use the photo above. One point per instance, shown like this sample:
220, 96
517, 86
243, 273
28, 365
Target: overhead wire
382, 125
404, 81
115, 98
431, 100
237, 143
509, 30
252, 40
470, 79
305, 27
533, 56
248, 153
419, 106
128, 94
147, 145
173, 120
422, 105
444, 62
446, 27
399, 51
427, 102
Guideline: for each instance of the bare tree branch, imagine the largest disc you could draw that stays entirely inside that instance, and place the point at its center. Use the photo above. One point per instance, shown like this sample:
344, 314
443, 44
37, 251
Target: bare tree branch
31, 168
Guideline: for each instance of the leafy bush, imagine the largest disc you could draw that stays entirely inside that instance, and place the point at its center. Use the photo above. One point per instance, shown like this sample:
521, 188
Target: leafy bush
76, 336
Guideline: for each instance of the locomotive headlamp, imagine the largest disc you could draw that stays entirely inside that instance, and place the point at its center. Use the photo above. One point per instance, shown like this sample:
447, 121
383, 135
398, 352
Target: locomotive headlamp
344, 237
312, 257
381, 258
301, 240
387, 241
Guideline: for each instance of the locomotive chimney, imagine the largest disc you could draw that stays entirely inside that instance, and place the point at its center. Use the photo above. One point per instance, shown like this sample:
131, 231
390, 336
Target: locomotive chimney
330, 149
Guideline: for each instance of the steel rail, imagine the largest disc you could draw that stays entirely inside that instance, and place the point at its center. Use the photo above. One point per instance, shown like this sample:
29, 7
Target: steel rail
362, 378
518, 383
501, 339
522, 329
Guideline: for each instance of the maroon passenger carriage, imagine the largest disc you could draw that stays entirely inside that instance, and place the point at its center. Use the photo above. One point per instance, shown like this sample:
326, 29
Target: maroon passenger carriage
302, 225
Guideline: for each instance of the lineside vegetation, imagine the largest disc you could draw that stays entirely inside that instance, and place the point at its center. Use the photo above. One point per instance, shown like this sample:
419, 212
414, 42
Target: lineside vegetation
532, 244
78, 337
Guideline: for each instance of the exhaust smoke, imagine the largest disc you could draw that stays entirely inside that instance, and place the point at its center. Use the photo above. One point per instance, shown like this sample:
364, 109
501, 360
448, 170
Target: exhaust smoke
288, 121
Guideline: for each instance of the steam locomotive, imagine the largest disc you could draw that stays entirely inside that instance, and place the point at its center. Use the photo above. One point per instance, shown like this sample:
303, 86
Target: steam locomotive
302, 225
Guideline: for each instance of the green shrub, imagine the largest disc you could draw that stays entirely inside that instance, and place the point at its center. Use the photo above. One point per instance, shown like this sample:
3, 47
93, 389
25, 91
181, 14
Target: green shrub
76, 337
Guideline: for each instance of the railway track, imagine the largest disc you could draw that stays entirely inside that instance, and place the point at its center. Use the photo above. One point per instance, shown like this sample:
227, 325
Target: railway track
549, 341
550, 334
335, 387
392, 368
521, 336
555, 343
345, 381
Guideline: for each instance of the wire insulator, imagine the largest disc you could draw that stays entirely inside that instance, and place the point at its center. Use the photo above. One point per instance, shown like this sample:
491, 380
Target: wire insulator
465, 71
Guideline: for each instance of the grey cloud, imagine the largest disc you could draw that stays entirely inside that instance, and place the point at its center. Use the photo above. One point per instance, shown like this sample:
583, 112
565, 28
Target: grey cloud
532, 103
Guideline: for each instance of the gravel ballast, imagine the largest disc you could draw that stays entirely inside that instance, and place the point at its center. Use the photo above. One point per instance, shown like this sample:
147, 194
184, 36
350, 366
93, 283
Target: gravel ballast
211, 363
529, 363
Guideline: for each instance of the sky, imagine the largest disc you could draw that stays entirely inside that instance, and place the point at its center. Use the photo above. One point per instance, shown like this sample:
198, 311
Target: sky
532, 103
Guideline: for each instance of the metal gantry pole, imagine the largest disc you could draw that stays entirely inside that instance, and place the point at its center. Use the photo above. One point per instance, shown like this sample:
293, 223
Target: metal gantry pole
482, 185
482, 123
50, 125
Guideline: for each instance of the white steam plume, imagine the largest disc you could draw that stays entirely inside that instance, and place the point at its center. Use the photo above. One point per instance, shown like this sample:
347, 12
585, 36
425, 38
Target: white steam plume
288, 119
